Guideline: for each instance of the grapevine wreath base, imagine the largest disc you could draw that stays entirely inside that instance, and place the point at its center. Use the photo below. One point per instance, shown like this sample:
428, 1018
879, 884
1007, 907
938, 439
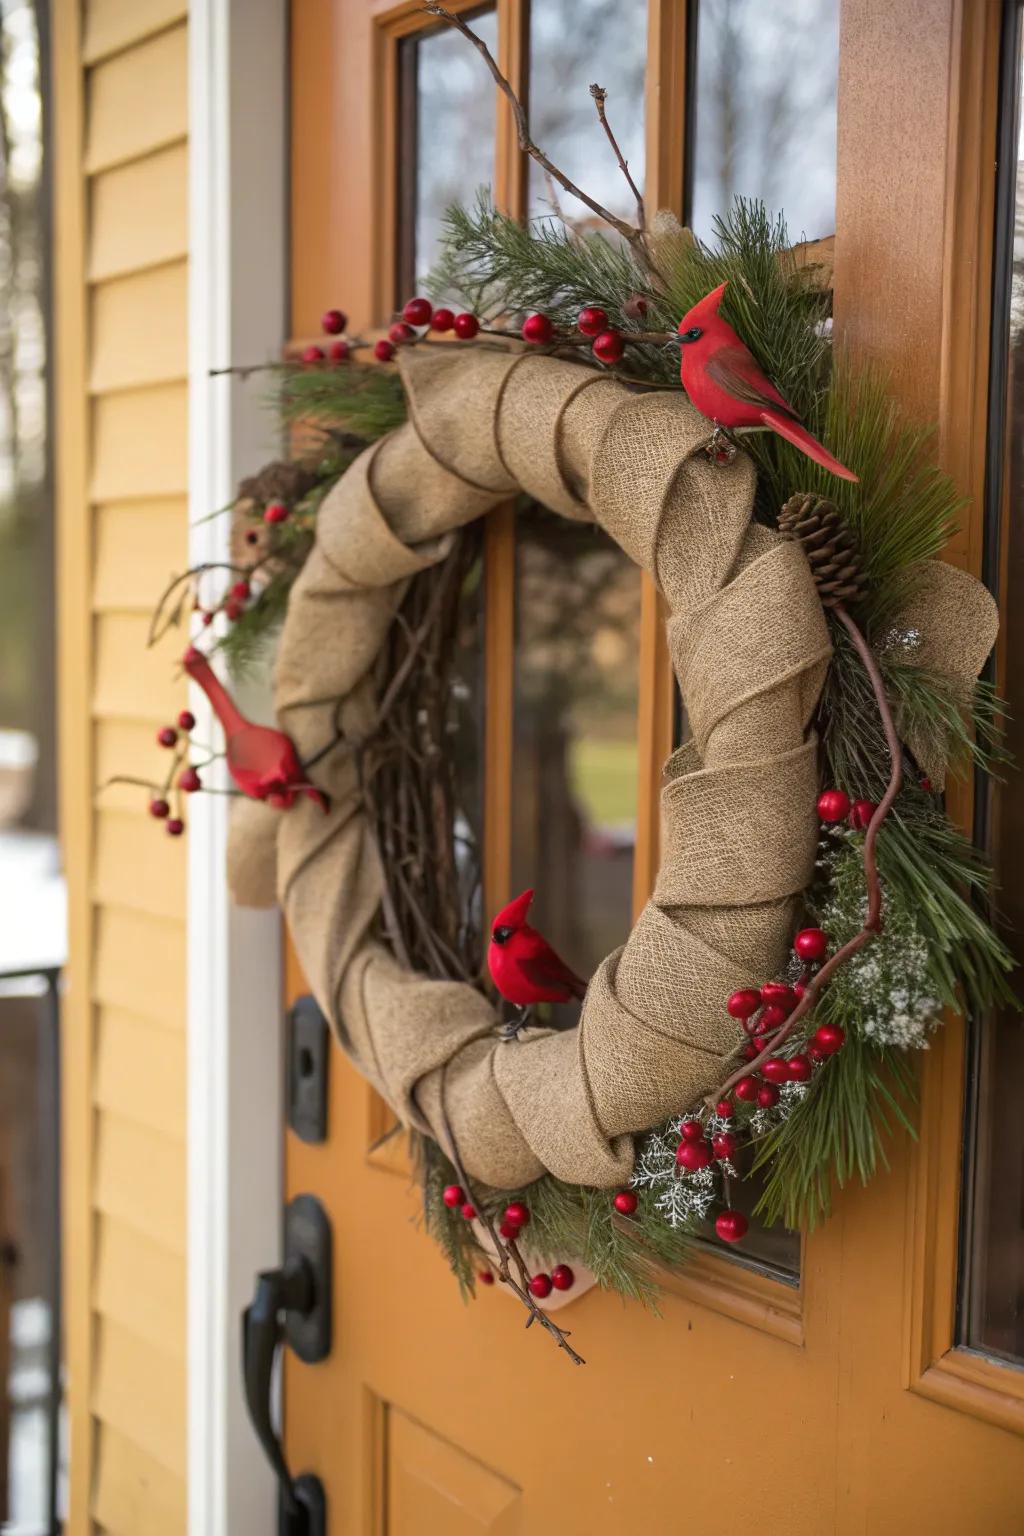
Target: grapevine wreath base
739, 829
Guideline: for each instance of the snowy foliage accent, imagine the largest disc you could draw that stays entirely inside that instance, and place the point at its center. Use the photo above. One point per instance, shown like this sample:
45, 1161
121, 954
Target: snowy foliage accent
885, 992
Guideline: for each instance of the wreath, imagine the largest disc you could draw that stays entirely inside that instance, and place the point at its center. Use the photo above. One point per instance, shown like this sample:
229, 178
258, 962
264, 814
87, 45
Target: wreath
815, 910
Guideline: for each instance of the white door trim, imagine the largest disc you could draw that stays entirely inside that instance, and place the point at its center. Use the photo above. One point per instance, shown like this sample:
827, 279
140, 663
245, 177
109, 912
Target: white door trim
237, 307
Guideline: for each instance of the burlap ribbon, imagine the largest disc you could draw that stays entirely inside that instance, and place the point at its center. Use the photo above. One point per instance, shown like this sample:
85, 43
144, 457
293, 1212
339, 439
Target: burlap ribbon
749, 645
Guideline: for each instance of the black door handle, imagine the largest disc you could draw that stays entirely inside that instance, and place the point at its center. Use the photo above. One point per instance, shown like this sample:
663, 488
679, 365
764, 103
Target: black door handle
291, 1304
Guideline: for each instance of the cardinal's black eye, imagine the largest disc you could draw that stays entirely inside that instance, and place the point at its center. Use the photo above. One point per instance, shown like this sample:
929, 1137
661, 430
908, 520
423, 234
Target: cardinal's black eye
693, 334
502, 935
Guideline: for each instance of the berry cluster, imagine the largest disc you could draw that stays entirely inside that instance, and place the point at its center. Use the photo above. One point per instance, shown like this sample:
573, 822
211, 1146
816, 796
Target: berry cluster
515, 1217
835, 805
181, 777
235, 599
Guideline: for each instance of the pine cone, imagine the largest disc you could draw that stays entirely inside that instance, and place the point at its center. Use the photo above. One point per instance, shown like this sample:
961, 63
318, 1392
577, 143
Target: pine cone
831, 550
285, 481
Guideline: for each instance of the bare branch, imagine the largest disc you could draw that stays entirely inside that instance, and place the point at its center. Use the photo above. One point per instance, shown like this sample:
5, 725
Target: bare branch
629, 232
600, 96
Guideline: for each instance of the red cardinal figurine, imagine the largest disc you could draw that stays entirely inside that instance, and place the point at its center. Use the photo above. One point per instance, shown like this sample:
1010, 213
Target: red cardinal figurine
723, 381
523, 966
263, 762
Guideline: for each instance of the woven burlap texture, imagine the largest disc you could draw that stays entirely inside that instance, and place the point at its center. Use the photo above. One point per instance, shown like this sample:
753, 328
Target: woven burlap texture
750, 645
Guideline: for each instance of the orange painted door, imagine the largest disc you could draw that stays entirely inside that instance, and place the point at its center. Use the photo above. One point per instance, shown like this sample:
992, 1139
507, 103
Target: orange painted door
822, 1384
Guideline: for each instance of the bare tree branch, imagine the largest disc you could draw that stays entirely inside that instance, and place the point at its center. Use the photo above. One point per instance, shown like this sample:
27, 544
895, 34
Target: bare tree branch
600, 96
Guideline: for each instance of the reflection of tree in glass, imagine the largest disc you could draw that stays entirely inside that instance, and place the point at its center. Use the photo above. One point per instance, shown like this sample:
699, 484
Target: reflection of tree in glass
455, 128
577, 600
765, 110
571, 45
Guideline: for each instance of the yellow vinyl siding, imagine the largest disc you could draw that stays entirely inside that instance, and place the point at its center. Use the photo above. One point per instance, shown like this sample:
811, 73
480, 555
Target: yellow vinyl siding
121, 343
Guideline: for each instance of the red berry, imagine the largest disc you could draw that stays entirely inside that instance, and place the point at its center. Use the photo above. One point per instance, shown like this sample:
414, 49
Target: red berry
636, 306
166, 736
829, 1038
443, 320
454, 1195
811, 944
469, 1210
187, 720
833, 805
608, 347
207, 620
159, 809
540, 1285
400, 332
691, 1130
537, 329
767, 1095
772, 1016
313, 355
517, 1214
815, 1052
723, 1144
333, 321
486, 1277
746, 1089
418, 311
775, 1070
751, 1049
800, 1069
466, 327
339, 351
693, 1155
743, 1003
383, 350
189, 781
232, 610
507, 1230
778, 993
562, 1277
731, 1226
723, 1109
241, 590
926, 784
591, 320
275, 512
625, 1202
175, 826
861, 813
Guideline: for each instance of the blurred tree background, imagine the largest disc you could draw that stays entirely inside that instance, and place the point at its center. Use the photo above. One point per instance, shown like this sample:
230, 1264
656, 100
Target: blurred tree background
27, 612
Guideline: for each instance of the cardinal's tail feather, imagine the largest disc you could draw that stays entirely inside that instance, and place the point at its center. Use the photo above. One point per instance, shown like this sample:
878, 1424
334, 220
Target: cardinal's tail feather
799, 436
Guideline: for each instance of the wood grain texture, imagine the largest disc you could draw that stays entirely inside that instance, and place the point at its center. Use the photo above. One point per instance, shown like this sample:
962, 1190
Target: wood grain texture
121, 166
110, 26
134, 1494
139, 214
137, 101
140, 1392
139, 326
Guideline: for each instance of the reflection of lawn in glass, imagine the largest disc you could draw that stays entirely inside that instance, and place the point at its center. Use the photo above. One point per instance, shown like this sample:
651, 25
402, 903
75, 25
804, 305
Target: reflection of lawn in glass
604, 780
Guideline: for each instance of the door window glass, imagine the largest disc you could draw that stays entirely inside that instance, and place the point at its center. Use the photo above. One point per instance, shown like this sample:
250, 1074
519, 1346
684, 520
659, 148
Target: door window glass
446, 123
574, 42
992, 1300
762, 99
574, 764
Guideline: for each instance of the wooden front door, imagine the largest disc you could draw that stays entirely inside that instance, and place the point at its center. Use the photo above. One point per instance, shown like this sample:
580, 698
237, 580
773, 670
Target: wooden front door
820, 1385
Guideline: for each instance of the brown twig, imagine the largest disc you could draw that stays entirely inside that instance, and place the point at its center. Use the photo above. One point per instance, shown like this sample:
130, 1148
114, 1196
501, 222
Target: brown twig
600, 96
629, 232
507, 1251
872, 924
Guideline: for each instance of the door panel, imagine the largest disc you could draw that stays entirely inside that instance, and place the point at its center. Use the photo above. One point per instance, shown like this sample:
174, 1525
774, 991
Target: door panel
750, 1402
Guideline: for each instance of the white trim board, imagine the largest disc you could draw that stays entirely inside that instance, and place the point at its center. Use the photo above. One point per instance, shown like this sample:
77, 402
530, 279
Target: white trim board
238, 213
